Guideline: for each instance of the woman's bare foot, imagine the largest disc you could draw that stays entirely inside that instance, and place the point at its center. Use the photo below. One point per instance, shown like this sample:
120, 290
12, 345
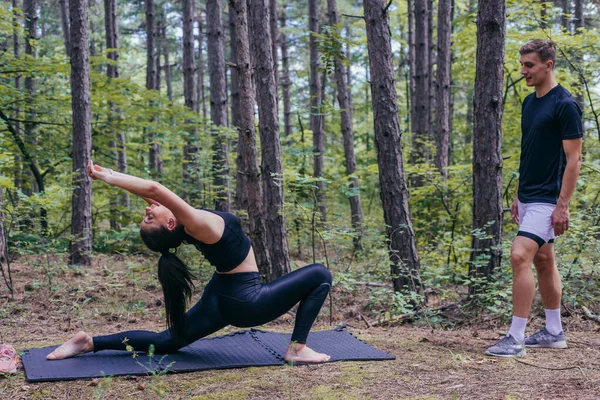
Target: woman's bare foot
78, 344
301, 353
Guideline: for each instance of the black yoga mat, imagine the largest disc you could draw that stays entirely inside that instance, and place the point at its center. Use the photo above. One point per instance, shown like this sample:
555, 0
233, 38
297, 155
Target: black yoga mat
239, 349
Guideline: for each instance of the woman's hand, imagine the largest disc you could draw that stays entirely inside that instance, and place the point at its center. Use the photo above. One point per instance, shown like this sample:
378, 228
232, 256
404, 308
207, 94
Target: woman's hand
97, 172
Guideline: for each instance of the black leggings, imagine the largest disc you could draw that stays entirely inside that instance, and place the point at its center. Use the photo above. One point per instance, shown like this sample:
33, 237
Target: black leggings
241, 300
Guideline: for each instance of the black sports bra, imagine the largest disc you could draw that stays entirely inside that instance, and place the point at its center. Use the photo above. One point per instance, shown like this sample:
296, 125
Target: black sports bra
233, 247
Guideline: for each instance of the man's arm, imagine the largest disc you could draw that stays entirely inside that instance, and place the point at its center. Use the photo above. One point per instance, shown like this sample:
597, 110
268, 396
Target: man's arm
560, 216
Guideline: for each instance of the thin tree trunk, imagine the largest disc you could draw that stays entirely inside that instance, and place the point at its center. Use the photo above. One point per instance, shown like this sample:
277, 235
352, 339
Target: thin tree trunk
63, 6
285, 78
274, 41
241, 185
191, 168
412, 54
486, 253
347, 134
151, 82
81, 225
404, 260
442, 131
578, 25
271, 170
201, 90
247, 144
111, 28
218, 102
18, 178
421, 110
564, 18
316, 125
92, 40
167, 67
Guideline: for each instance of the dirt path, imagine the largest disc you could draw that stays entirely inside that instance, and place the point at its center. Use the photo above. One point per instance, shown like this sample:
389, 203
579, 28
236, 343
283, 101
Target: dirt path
438, 364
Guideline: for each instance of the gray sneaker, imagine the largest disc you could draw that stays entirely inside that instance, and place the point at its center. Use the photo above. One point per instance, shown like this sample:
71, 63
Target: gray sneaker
543, 338
507, 347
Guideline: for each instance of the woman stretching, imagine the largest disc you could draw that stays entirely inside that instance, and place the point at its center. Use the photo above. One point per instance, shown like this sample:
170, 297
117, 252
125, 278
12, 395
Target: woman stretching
234, 296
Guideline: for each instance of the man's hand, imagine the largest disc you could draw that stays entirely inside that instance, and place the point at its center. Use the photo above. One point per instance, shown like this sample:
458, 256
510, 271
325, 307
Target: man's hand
560, 219
514, 211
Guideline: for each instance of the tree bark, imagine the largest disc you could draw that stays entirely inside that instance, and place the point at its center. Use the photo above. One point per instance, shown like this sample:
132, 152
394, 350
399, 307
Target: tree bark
218, 102
247, 138
111, 28
63, 6
285, 77
442, 114
166, 57
347, 134
404, 260
274, 41
152, 82
81, 225
486, 254
564, 18
191, 168
421, 110
241, 184
18, 177
412, 55
578, 24
271, 170
201, 90
316, 124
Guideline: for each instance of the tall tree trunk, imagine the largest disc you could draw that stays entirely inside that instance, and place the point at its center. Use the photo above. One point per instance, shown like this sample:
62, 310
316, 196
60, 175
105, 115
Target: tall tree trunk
167, 66
316, 125
486, 253
201, 90
274, 42
92, 29
18, 177
191, 179
412, 55
347, 133
442, 114
247, 145
271, 170
241, 184
218, 102
421, 110
285, 77
579, 24
564, 18
63, 6
81, 225
111, 28
151, 82
394, 194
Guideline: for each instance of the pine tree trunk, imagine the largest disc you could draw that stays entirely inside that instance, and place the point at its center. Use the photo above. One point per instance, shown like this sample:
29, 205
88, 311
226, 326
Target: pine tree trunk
249, 154
412, 54
316, 125
578, 24
92, 40
81, 224
274, 41
347, 134
18, 178
442, 114
151, 82
564, 18
486, 254
191, 169
63, 6
201, 89
285, 77
421, 110
394, 194
218, 102
241, 185
271, 170
166, 57
111, 28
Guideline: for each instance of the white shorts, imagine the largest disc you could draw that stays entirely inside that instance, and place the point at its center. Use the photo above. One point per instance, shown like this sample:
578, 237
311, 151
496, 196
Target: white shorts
535, 222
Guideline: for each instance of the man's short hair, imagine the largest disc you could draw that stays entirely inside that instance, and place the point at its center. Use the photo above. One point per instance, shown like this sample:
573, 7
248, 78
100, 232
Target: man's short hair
545, 49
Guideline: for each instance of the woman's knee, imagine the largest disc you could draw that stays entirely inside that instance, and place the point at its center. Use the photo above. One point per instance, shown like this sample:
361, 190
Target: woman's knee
321, 273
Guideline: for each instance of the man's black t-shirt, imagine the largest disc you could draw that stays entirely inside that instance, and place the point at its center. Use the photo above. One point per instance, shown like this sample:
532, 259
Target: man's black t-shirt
546, 122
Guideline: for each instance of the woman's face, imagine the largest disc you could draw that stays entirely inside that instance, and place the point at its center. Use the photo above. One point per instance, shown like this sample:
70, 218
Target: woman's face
158, 215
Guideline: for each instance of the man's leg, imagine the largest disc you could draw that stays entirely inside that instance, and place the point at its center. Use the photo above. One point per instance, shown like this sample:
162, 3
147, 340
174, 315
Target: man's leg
551, 290
522, 254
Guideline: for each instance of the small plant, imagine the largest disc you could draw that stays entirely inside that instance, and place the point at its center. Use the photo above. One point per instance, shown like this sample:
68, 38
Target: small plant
152, 368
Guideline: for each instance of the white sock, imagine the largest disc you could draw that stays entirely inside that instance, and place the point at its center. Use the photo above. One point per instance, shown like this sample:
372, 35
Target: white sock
553, 324
517, 328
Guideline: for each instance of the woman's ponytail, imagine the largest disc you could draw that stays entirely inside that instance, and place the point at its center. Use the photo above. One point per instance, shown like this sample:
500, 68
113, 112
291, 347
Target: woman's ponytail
174, 276
176, 281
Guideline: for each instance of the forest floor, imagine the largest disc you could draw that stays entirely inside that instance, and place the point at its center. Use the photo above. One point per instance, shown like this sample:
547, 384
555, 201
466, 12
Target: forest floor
122, 293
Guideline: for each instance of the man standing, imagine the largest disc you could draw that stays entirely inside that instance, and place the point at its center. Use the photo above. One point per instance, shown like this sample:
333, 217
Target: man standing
550, 161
